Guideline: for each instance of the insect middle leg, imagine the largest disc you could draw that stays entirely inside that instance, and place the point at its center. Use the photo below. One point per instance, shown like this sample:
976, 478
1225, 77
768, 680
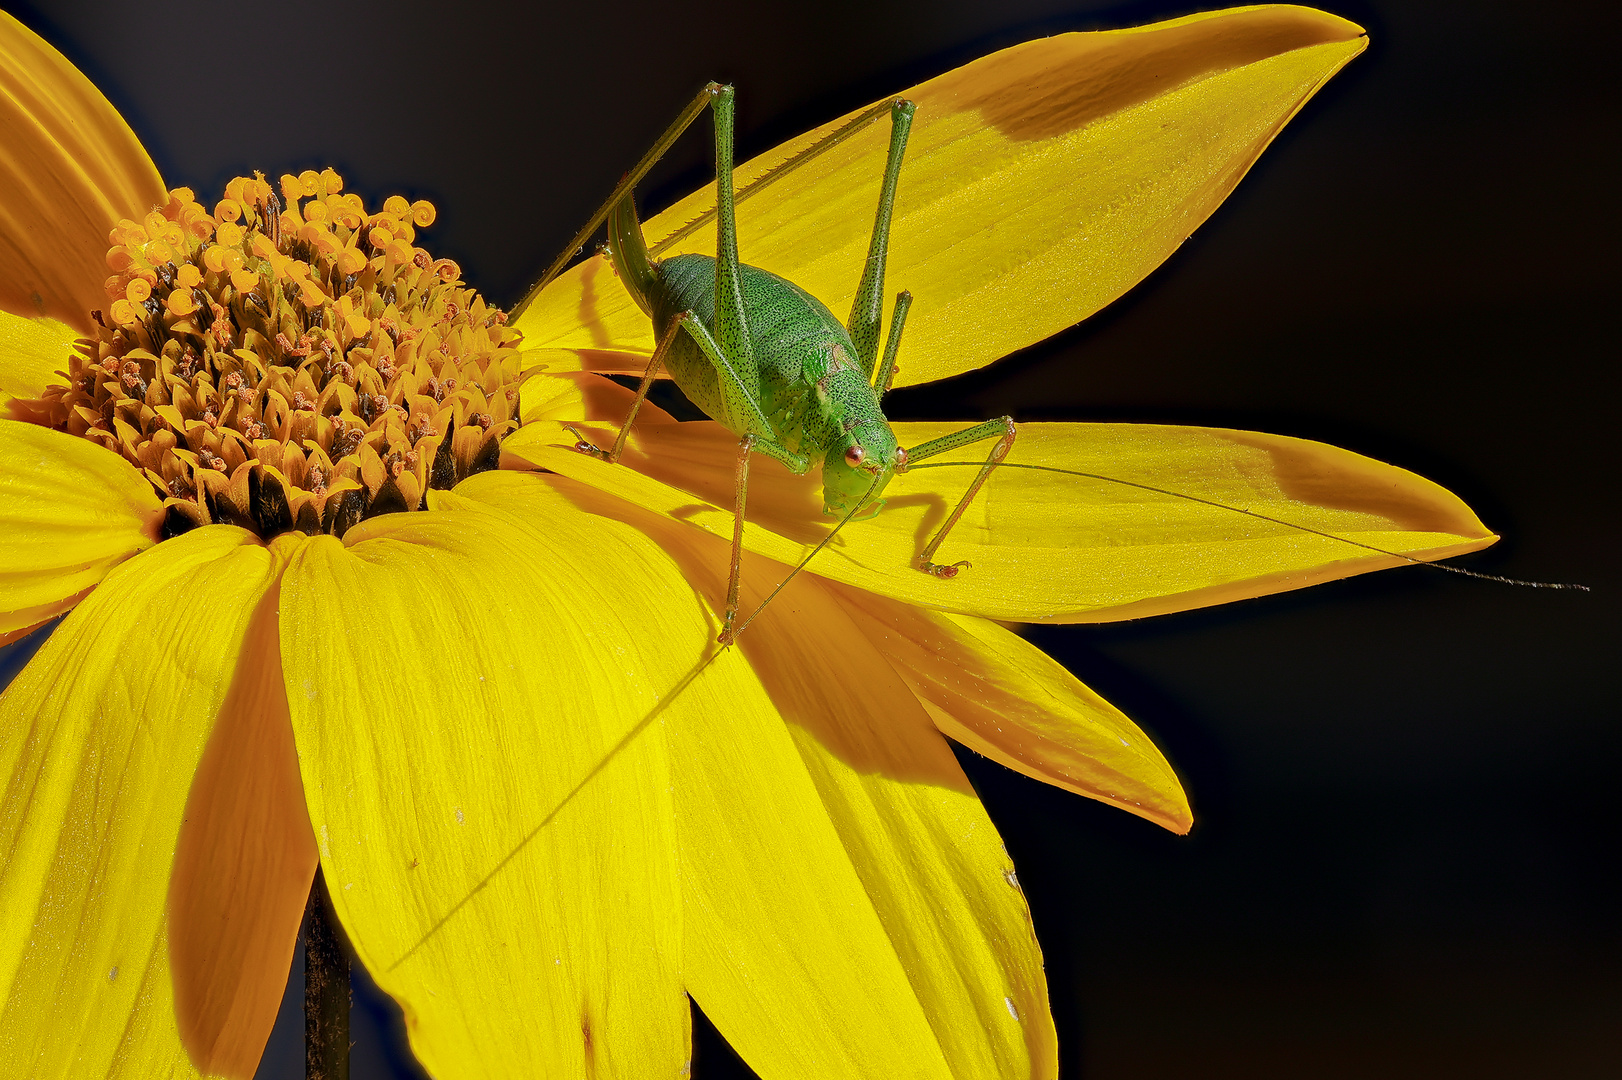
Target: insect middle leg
1003, 430
747, 445
743, 413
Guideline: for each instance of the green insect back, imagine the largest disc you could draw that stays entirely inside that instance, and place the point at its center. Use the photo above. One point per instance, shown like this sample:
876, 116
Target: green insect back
803, 372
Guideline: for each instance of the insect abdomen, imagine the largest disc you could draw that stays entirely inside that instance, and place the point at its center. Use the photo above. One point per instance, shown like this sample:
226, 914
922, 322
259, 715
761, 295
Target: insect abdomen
805, 362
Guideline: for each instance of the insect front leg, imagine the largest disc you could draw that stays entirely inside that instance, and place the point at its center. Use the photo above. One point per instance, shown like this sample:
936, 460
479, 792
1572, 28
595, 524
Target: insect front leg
892, 344
743, 413
1003, 430
747, 445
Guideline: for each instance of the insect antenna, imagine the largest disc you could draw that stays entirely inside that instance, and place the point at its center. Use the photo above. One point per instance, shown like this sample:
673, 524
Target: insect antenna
1264, 517
813, 554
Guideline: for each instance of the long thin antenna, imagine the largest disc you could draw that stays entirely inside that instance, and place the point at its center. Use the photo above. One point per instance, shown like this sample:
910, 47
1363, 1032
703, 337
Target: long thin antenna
1264, 517
820, 545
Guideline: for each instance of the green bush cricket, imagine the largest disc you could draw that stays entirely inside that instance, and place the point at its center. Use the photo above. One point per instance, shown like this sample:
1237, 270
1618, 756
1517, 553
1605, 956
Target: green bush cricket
769, 361
776, 367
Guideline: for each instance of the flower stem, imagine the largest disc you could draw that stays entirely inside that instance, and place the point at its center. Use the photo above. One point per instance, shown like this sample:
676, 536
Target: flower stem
326, 989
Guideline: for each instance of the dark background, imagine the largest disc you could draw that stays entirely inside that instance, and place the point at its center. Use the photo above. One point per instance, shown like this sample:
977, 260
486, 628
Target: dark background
1403, 863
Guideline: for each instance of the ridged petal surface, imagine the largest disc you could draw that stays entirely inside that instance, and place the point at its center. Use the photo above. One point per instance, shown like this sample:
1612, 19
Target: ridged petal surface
109, 965
70, 168
1165, 519
70, 511
848, 909
478, 704
1001, 696
1041, 182
32, 351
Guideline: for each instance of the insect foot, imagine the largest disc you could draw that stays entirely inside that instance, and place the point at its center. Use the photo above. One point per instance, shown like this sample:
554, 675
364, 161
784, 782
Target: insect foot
585, 446
940, 571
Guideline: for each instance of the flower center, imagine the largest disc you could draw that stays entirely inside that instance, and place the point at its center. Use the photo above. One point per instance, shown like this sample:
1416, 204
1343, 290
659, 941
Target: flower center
290, 364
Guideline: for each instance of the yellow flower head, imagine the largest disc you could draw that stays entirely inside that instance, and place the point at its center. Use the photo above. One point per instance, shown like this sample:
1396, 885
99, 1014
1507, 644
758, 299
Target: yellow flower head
288, 362
548, 808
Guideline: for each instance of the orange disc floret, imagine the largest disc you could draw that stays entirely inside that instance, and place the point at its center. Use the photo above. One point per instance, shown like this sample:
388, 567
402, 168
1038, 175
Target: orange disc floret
261, 369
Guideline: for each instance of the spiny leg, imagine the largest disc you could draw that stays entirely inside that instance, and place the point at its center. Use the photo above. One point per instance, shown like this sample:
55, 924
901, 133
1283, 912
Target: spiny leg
1003, 430
744, 413
867, 310
623, 189
658, 360
832, 139
892, 344
747, 445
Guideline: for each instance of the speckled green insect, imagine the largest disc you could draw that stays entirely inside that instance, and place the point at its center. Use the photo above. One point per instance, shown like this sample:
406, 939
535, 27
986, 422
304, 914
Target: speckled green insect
767, 359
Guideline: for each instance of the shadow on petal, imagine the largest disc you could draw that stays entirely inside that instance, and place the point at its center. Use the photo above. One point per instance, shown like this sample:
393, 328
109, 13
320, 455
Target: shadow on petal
1085, 77
243, 866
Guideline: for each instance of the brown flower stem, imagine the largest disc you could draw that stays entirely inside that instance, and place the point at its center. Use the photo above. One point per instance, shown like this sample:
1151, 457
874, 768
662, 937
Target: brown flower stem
326, 989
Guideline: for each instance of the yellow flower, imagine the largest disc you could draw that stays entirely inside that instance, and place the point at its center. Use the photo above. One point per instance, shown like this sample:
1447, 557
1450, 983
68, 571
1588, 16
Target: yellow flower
547, 807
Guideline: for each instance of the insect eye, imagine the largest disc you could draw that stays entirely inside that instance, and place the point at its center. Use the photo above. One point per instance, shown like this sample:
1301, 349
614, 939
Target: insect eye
901, 457
854, 455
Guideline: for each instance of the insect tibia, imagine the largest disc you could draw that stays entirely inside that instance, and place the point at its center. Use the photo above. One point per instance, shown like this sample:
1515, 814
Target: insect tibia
729, 635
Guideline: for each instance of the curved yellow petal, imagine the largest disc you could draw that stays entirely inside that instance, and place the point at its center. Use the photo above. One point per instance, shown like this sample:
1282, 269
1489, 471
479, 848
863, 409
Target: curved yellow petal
69, 170
603, 362
1004, 698
1052, 547
850, 910
102, 735
32, 351
70, 511
1041, 182
581, 395
477, 716
243, 864
847, 907
913, 830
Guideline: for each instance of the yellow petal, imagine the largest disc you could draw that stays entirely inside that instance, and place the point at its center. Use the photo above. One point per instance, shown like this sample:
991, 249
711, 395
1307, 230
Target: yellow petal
1052, 547
243, 864
477, 716
32, 351
102, 735
1040, 183
581, 395
927, 857
1002, 697
71, 169
70, 511
602, 362
850, 910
